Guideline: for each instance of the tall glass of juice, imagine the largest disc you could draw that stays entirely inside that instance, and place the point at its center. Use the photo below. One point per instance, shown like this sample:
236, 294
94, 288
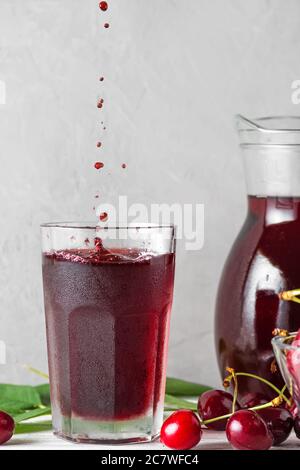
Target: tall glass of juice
108, 296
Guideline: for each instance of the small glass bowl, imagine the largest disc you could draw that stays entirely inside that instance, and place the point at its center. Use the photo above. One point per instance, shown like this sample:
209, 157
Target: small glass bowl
288, 360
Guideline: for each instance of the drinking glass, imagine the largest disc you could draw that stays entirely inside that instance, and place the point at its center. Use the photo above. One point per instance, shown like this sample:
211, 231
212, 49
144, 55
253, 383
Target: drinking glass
108, 296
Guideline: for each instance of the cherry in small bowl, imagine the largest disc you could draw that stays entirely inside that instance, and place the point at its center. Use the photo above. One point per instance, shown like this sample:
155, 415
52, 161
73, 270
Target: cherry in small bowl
181, 430
246, 430
214, 403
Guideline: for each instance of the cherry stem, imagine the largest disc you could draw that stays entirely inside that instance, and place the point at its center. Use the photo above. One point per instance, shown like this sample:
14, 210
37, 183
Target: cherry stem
254, 408
235, 393
253, 376
290, 295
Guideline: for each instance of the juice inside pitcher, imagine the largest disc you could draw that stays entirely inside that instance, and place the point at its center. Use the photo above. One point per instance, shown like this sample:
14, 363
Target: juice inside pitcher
265, 258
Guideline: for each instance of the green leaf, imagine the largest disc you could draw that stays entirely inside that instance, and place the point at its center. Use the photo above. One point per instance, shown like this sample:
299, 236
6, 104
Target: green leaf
13, 407
173, 403
17, 398
179, 388
44, 393
24, 428
46, 410
21, 393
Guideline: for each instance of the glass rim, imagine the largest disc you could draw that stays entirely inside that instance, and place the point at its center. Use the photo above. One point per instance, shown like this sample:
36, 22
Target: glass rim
258, 124
94, 226
279, 342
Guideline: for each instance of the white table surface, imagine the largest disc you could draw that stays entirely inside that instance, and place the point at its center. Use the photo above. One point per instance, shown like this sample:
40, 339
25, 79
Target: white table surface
211, 440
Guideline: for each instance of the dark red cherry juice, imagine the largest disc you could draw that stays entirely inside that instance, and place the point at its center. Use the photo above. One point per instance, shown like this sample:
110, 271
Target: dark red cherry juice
264, 261
107, 317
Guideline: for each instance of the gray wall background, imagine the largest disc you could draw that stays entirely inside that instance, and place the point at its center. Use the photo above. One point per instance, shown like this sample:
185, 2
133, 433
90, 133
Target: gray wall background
176, 73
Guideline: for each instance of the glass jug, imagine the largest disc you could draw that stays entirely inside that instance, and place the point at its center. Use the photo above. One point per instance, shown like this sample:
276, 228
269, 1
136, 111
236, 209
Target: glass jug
265, 257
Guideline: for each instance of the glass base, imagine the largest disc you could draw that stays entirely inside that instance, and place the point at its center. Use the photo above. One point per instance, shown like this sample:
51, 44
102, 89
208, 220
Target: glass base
118, 441
137, 430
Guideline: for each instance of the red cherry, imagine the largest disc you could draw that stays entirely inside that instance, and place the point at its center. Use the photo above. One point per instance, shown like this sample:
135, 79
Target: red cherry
246, 430
214, 403
279, 421
7, 426
253, 399
181, 431
297, 426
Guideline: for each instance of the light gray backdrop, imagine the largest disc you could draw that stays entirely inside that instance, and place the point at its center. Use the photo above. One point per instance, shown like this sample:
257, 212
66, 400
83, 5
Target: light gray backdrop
176, 72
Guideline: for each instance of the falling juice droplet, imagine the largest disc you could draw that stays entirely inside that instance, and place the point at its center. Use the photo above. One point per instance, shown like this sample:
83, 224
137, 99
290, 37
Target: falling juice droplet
99, 165
99, 144
101, 79
100, 103
103, 6
103, 217
124, 165
106, 25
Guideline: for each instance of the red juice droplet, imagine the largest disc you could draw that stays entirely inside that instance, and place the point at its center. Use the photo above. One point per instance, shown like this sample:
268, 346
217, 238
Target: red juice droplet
99, 144
99, 165
101, 79
97, 196
124, 165
103, 6
103, 216
98, 244
106, 25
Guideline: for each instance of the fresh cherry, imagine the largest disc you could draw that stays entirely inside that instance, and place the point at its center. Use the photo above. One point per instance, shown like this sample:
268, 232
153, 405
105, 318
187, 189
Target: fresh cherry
214, 403
181, 431
297, 426
246, 430
279, 421
7, 426
252, 399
